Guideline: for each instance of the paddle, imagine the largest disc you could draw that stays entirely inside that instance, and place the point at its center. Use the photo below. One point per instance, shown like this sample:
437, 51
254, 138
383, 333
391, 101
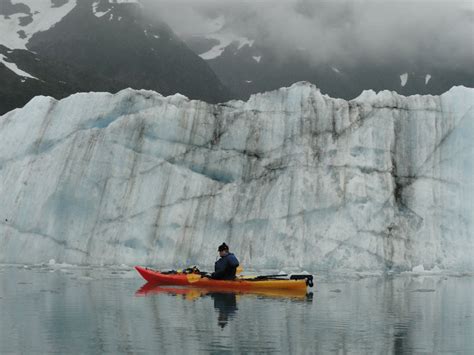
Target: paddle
197, 275
262, 277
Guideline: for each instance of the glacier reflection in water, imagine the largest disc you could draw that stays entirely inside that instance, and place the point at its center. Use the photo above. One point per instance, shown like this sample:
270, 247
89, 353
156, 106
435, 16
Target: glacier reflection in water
73, 310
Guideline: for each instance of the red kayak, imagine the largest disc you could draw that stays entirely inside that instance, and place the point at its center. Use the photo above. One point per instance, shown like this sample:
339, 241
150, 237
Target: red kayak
240, 283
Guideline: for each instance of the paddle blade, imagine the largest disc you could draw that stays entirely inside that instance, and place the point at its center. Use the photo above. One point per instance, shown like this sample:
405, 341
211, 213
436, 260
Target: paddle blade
239, 270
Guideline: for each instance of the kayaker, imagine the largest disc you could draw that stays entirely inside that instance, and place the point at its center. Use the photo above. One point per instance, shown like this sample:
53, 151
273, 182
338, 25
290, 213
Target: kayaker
226, 267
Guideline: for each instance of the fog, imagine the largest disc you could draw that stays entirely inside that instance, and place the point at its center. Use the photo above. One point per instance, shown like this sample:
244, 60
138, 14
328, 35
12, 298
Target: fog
438, 32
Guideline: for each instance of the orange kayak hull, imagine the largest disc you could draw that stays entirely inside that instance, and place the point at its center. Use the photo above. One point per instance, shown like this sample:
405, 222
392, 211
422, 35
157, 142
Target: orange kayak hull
195, 280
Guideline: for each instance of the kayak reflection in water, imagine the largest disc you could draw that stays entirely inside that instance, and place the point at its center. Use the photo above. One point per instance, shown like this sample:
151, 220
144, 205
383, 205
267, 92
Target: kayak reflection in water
225, 301
193, 293
226, 267
226, 305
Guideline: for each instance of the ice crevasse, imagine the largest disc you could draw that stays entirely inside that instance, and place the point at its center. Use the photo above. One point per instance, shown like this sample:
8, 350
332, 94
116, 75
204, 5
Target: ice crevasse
290, 178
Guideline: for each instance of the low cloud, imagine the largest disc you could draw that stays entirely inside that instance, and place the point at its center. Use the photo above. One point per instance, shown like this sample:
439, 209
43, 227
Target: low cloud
436, 32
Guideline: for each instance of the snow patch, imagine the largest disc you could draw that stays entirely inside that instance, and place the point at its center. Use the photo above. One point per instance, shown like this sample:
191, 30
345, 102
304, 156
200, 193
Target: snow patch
427, 78
98, 13
225, 39
44, 17
13, 67
216, 32
403, 79
243, 41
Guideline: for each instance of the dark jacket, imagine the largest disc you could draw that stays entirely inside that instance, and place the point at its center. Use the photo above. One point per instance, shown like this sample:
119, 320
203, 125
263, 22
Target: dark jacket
225, 267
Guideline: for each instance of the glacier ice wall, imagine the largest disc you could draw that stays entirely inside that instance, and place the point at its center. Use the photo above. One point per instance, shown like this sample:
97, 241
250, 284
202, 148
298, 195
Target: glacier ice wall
290, 178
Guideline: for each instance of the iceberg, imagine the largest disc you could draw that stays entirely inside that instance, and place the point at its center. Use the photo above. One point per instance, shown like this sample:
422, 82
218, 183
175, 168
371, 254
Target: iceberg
289, 178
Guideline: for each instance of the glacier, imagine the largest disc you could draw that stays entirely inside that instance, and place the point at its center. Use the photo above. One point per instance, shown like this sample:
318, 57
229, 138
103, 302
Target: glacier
289, 178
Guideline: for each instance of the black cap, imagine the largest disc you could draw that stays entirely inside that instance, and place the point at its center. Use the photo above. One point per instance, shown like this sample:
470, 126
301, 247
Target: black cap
223, 247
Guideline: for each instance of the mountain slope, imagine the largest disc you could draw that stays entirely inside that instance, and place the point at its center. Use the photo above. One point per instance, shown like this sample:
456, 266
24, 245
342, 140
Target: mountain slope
251, 69
105, 46
331, 46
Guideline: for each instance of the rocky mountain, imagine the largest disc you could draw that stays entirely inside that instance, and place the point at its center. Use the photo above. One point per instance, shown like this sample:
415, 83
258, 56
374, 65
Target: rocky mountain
247, 67
68, 46
289, 178
58, 48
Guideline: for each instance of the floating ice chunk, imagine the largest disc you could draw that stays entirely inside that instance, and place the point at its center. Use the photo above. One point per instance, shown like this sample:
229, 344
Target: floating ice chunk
334, 69
424, 290
257, 58
86, 278
418, 268
52, 262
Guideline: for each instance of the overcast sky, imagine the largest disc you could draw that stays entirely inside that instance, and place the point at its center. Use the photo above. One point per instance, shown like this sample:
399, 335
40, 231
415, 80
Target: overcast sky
439, 31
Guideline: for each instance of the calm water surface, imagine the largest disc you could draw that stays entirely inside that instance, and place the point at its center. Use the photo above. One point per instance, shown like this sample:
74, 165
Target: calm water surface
95, 311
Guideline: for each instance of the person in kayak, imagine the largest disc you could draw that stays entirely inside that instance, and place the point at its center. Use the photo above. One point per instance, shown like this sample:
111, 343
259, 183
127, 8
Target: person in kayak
226, 267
